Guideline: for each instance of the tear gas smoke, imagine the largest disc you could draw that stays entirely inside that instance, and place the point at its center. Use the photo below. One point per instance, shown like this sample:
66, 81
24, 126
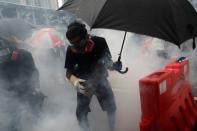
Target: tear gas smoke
59, 108
191, 54
126, 86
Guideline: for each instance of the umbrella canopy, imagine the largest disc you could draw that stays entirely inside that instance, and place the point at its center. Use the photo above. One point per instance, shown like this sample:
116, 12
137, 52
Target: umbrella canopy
46, 38
171, 20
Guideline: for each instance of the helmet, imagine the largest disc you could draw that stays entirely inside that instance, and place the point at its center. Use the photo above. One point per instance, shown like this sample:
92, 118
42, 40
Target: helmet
76, 29
5, 50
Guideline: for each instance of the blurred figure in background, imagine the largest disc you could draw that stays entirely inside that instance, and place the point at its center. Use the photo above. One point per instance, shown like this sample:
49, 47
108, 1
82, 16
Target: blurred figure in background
20, 77
18, 73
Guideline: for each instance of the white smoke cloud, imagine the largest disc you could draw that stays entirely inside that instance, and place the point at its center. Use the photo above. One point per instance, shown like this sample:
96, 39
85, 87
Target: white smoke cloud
59, 108
60, 105
13, 111
126, 86
191, 54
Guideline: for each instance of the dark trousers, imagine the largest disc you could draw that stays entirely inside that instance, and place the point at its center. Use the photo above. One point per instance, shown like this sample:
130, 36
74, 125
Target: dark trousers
105, 97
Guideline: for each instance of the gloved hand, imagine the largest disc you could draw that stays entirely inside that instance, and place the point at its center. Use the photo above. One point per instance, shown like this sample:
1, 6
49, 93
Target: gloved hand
180, 59
117, 65
79, 84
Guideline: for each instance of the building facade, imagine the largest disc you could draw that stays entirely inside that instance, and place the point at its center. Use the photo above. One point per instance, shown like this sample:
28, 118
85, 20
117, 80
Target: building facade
50, 4
36, 15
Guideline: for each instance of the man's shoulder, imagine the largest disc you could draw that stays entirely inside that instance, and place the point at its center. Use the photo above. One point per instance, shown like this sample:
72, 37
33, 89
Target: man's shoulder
99, 40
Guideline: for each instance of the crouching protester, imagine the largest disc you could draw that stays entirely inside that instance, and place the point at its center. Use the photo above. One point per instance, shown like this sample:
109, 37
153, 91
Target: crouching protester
20, 78
87, 60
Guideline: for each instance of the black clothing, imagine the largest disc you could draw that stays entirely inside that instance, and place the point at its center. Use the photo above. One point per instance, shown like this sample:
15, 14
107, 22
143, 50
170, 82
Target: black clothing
89, 64
92, 67
20, 75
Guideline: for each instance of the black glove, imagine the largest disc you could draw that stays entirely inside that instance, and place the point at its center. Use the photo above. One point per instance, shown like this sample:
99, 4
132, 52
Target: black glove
180, 59
117, 65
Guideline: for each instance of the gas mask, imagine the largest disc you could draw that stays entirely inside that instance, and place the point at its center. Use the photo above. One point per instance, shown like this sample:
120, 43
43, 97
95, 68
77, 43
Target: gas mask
79, 47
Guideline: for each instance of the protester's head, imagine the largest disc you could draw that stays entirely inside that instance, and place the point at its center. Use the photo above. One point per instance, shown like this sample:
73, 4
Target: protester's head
76, 29
77, 35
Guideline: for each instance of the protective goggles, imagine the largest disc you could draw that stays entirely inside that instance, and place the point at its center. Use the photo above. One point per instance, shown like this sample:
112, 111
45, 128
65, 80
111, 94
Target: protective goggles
78, 44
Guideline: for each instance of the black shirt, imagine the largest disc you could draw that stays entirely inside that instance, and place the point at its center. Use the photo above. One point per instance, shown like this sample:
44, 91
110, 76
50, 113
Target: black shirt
20, 75
89, 65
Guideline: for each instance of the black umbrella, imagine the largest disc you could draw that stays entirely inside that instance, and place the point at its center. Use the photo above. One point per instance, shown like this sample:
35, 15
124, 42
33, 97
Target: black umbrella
171, 20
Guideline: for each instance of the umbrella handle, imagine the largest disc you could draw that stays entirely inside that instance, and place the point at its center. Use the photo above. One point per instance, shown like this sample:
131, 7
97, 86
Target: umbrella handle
125, 71
118, 64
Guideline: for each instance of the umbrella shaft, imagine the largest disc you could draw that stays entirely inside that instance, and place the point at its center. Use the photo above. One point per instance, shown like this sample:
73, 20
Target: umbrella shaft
122, 44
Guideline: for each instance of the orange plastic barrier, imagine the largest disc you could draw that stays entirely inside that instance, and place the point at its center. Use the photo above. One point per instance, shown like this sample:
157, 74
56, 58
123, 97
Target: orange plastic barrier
167, 103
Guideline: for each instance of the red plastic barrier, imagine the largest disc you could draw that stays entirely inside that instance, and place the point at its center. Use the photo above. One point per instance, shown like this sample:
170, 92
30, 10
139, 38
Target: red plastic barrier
181, 69
167, 103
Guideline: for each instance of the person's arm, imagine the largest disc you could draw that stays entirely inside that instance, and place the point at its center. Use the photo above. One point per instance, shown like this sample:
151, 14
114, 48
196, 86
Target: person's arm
108, 58
69, 63
68, 74
106, 51
104, 54
76, 82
